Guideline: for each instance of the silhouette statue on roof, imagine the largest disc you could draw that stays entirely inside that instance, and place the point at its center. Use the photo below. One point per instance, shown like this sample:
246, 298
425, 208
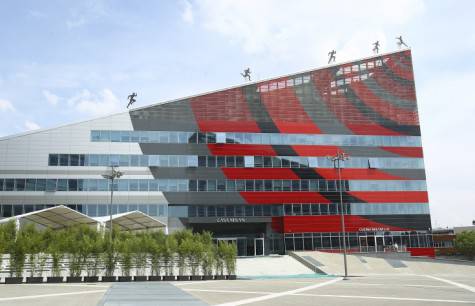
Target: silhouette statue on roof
376, 47
401, 42
331, 55
131, 99
246, 74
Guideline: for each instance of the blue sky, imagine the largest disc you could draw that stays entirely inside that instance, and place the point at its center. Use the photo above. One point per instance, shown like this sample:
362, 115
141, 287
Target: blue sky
65, 61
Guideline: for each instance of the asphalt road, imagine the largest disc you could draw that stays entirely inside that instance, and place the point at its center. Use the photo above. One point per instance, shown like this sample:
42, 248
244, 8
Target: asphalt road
365, 290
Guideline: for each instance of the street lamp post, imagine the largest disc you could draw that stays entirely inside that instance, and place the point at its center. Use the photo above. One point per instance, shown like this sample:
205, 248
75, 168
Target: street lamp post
337, 159
114, 174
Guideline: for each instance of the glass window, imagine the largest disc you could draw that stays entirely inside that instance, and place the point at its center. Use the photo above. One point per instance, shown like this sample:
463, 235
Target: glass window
153, 209
115, 136
133, 185
124, 136
63, 159
19, 184
134, 160
17, 209
230, 162
92, 210
211, 211
105, 136
192, 185
30, 185
249, 185
40, 184
220, 211
95, 136
240, 161
230, 185
51, 185
211, 161
72, 185
53, 160
249, 161
211, 185
202, 185
221, 185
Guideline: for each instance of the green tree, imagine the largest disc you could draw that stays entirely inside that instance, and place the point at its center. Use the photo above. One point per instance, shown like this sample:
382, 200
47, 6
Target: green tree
55, 246
35, 249
17, 250
208, 256
168, 254
465, 243
156, 249
230, 258
139, 246
125, 252
110, 256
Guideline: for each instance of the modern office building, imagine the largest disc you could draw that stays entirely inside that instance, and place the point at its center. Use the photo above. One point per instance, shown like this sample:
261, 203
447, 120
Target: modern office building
248, 163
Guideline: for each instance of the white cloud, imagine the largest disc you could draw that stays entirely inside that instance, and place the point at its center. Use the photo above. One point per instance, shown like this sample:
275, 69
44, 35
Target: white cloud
30, 125
6, 105
96, 104
51, 97
307, 29
187, 14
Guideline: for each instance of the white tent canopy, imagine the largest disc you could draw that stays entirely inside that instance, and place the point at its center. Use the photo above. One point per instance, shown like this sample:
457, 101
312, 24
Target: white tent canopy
133, 220
58, 217
55, 217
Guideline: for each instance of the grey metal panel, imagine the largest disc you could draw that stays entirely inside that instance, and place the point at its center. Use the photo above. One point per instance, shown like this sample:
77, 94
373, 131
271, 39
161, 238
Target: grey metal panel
386, 96
174, 149
187, 173
413, 174
204, 198
174, 116
317, 109
368, 152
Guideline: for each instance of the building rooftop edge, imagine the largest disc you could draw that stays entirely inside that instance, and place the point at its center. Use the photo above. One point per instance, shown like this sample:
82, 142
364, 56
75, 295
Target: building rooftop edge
205, 93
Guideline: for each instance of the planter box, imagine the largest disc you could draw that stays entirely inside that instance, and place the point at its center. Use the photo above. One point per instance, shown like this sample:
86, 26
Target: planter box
140, 278
34, 280
74, 279
13, 280
169, 278
232, 277
109, 279
208, 277
91, 279
196, 277
220, 277
54, 279
125, 278
183, 278
154, 278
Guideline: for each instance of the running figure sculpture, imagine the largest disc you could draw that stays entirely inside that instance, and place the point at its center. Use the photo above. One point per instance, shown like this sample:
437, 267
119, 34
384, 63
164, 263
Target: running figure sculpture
331, 55
376, 47
131, 99
247, 74
401, 42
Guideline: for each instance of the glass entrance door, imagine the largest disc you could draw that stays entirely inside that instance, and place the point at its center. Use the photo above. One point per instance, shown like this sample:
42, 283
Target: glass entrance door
379, 243
259, 247
363, 244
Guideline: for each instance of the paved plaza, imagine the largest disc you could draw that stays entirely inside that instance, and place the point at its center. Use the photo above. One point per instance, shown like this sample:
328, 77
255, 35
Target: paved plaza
364, 290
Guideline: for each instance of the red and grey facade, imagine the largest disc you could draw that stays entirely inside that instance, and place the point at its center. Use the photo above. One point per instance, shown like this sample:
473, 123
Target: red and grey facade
250, 163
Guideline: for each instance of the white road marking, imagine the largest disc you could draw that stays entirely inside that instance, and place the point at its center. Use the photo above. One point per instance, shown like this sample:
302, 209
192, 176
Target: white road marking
279, 294
67, 285
466, 287
385, 298
228, 291
338, 296
30, 297
193, 283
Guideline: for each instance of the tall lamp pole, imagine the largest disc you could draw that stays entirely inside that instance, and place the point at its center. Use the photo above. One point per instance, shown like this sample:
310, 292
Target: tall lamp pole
114, 174
337, 159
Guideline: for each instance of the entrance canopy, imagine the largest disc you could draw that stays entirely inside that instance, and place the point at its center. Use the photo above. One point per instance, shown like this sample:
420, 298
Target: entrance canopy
134, 220
58, 217
55, 217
